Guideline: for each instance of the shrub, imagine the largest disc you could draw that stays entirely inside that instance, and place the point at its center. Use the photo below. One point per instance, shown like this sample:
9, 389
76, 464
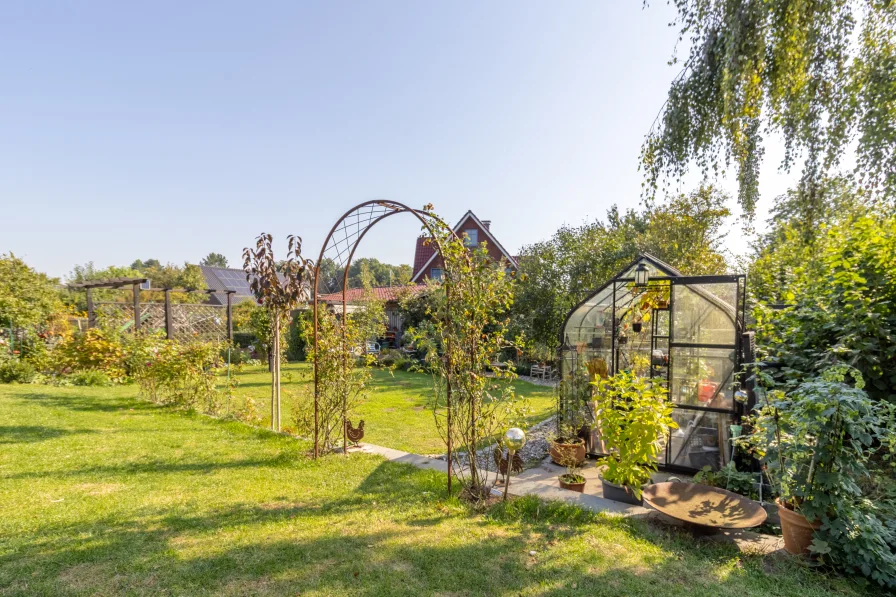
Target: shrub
296, 344
180, 374
244, 339
818, 444
731, 479
95, 349
89, 377
843, 310
16, 370
631, 414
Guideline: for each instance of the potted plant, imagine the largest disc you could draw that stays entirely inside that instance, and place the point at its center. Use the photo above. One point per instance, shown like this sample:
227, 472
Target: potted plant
815, 444
573, 397
637, 326
572, 479
632, 414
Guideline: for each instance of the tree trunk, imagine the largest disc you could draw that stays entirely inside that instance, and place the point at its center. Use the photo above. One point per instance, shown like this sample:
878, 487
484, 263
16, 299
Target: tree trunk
275, 373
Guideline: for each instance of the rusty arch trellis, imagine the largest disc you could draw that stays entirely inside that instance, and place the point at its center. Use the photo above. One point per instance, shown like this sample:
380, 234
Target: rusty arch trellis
340, 245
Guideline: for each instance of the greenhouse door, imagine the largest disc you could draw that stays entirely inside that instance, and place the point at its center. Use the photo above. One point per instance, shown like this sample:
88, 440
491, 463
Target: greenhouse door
696, 348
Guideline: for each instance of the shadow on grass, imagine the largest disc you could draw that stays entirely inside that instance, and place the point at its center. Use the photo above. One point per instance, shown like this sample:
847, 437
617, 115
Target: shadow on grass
392, 532
78, 402
336, 548
26, 434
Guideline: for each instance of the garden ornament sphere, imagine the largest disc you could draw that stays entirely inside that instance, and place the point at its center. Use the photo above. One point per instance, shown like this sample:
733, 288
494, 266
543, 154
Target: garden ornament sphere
514, 439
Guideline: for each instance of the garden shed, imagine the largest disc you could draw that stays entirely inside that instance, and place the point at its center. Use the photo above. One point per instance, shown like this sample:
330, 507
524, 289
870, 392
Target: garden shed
685, 332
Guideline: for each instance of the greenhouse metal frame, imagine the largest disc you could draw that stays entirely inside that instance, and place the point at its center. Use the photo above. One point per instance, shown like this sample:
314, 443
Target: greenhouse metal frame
687, 332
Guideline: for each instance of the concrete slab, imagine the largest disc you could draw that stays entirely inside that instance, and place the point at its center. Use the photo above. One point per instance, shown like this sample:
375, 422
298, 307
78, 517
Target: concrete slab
403, 457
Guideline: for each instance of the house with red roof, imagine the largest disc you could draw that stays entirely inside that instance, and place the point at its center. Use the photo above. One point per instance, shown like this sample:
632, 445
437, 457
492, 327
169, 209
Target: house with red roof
428, 265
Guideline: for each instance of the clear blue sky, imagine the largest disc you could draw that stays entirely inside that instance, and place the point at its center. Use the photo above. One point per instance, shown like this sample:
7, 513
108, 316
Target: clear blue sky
172, 129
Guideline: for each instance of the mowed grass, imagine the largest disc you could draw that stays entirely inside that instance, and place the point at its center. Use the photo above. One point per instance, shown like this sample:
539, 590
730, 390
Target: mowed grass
103, 494
395, 412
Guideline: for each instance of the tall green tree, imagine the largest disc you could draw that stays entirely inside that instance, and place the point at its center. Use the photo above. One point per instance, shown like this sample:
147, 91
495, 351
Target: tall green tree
796, 69
832, 264
168, 275
557, 273
214, 260
27, 297
793, 244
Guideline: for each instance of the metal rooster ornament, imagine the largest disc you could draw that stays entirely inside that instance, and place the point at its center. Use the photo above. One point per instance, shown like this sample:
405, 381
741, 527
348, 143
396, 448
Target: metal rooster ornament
501, 461
353, 434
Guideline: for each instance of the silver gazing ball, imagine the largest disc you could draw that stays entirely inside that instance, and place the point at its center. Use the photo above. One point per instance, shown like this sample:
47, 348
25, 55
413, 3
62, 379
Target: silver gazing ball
515, 439
741, 396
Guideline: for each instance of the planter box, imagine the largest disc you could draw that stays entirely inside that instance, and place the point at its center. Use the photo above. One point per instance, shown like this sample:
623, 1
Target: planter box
620, 493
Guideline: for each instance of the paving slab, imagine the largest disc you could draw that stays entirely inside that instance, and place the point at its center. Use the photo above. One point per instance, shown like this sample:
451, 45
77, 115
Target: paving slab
541, 481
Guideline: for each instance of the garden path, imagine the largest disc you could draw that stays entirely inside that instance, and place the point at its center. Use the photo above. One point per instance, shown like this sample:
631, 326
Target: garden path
541, 481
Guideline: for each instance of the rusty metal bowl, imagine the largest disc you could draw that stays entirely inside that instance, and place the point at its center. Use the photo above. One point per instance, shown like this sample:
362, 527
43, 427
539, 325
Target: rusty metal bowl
704, 508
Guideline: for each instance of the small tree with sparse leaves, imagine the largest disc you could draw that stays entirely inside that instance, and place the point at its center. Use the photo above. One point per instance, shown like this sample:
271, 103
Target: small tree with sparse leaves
279, 286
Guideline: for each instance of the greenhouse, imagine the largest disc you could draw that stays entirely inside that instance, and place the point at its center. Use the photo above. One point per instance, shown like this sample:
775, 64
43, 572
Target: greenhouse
686, 332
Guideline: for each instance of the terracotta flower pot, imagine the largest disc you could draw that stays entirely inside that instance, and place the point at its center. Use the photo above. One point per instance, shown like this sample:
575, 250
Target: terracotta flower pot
561, 449
797, 530
572, 485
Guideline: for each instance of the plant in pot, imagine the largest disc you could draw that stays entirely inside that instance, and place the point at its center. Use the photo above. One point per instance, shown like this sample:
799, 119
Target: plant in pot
816, 444
572, 479
573, 398
634, 416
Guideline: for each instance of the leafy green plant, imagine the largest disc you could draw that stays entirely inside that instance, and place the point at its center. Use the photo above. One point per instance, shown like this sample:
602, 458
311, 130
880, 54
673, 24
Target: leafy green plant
817, 444
731, 479
573, 400
97, 350
16, 370
843, 298
182, 374
90, 377
341, 380
632, 416
462, 336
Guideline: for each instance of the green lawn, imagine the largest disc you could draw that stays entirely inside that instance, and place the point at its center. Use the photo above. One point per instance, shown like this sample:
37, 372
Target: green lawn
102, 494
395, 413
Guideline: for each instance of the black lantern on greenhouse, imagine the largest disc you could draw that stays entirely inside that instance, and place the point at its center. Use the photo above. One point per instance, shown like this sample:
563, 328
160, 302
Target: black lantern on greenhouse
642, 276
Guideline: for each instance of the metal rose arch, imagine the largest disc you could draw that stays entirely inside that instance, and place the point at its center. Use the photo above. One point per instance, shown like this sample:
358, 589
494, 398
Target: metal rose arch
340, 246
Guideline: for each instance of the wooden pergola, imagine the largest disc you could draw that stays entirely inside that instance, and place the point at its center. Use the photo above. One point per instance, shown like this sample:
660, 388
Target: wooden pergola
136, 283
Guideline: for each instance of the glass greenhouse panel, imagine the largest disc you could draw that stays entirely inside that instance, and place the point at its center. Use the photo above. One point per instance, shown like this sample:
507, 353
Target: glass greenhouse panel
705, 313
702, 377
702, 439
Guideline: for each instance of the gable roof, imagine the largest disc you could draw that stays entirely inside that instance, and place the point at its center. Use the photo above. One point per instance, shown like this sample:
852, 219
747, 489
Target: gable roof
422, 253
425, 262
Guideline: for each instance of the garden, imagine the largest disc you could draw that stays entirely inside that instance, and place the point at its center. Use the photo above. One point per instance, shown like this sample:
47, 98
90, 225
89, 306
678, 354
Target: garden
659, 370
694, 407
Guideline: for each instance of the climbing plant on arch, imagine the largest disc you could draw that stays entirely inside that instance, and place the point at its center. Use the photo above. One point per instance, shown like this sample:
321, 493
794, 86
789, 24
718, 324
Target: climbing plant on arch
464, 329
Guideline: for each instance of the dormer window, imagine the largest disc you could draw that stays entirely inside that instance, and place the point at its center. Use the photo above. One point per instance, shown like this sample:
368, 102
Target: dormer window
471, 237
